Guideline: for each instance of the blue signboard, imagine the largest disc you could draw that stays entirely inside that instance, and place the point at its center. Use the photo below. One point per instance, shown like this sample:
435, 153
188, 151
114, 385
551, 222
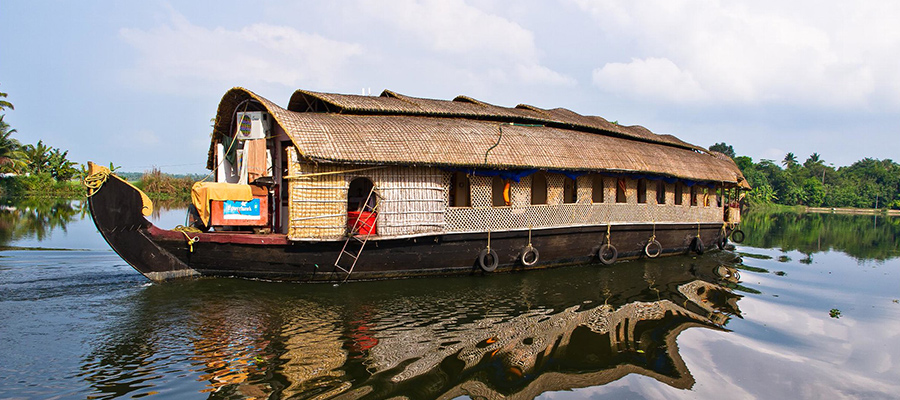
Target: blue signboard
240, 209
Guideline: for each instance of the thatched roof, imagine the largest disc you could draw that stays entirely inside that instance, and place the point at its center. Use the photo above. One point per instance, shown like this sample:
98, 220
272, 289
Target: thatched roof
466, 133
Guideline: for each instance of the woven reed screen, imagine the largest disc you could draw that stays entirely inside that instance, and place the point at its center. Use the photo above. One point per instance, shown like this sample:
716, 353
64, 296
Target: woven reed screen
410, 200
318, 206
414, 201
521, 214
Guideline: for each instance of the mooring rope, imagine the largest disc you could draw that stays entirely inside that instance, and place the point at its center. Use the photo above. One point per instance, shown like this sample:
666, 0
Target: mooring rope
95, 181
190, 240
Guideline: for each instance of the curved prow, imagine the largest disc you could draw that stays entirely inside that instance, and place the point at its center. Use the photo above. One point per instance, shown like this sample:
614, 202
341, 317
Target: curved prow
118, 211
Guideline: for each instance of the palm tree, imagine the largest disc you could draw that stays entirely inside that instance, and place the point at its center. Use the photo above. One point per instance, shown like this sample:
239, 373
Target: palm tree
10, 153
59, 166
813, 160
37, 157
790, 160
5, 104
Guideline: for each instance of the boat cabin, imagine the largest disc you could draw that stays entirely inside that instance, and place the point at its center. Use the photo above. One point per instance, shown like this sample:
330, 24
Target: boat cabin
393, 166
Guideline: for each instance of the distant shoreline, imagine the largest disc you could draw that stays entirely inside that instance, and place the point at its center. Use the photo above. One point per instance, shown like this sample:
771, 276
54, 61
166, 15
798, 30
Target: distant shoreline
857, 211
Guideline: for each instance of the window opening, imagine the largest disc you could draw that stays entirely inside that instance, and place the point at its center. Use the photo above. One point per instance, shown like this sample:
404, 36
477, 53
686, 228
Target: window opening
597, 189
694, 192
679, 193
660, 192
642, 190
570, 190
539, 188
500, 195
620, 191
460, 190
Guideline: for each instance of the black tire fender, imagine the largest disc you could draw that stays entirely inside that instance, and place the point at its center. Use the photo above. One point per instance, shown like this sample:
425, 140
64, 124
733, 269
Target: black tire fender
653, 249
697, 246
722, 242
607, 254
488, 265
737, 236
529, 253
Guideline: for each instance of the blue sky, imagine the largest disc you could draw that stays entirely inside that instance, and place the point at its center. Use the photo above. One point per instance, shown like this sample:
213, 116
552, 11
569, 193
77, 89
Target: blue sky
136, 83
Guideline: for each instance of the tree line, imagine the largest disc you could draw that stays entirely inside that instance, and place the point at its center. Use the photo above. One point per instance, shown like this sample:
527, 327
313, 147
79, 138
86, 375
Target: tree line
867, 183
39, 160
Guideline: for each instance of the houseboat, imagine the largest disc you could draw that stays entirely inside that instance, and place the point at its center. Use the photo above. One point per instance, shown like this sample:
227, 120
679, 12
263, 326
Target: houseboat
346, 187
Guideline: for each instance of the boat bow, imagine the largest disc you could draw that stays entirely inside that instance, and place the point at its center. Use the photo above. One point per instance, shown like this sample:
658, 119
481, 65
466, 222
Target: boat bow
118, 210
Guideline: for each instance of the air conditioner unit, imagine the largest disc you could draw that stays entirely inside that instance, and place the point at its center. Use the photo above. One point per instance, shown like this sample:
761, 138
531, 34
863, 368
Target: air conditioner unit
253, 125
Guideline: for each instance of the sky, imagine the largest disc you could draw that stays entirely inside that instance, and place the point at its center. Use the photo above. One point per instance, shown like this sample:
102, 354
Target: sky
136, 83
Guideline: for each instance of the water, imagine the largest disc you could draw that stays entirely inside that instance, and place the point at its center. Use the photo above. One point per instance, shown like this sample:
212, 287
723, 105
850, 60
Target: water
812, 311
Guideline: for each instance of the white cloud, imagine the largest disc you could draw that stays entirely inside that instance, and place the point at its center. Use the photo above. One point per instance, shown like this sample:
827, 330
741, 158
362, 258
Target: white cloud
657, 78
797, 53
488, 45
533, 73
452, 26
181, 56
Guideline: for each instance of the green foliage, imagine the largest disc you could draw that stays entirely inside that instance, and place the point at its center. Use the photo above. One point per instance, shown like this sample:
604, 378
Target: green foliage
10, 153
723, 148
164, 186
813, 191
41, 170
5, 104
868, 183
39, 185
790, 160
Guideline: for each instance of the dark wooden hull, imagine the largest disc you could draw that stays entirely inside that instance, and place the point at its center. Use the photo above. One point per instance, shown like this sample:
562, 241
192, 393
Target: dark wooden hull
163, 254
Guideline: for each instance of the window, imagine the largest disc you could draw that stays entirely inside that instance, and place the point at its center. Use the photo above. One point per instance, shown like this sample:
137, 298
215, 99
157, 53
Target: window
620, 191
706, 197
498, 187
642, 190
460, 190
679, 193
597, 189
660, 192
694, 192
539, 188
570, 190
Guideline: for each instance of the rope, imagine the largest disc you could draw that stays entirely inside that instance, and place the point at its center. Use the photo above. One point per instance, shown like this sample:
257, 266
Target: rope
190, 240
95, 181
499, 137
607, 233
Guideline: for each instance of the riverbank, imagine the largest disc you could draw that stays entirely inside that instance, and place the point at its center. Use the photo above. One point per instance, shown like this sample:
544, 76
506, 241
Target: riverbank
852, 211
772, 208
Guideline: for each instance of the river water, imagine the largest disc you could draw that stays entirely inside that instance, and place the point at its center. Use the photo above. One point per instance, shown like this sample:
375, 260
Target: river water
807, 307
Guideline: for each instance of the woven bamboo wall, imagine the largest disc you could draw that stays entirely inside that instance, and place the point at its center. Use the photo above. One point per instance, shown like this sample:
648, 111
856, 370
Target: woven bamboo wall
411, 200
318, 206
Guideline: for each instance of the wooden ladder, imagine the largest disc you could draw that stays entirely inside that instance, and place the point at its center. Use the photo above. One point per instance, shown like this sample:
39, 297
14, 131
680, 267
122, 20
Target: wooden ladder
350, 251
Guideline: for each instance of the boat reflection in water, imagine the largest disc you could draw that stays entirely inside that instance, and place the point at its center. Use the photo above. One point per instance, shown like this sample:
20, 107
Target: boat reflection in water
512, 336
